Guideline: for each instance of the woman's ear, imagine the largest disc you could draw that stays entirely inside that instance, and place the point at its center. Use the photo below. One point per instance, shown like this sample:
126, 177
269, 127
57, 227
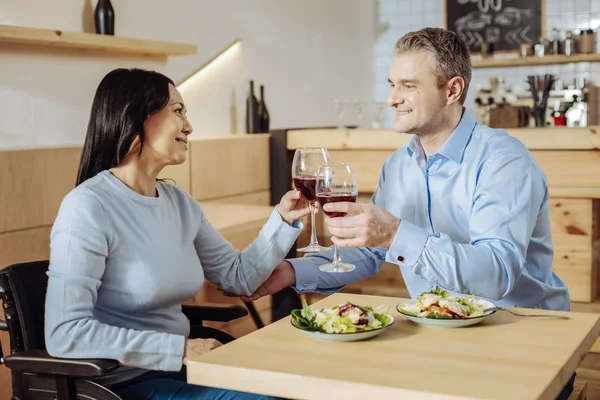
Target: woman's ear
135, 147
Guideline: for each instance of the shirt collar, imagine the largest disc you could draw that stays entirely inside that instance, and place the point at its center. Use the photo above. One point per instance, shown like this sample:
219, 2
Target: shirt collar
455, 145
414, 146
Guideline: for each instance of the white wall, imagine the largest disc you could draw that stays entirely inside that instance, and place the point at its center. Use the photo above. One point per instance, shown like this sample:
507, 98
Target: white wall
306, 53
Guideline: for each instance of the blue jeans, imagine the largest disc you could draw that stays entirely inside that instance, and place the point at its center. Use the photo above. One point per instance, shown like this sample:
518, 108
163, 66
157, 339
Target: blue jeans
157, 385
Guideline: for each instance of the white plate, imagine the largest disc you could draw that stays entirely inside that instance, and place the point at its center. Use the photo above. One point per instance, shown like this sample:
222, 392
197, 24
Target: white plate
344, 337
447, 323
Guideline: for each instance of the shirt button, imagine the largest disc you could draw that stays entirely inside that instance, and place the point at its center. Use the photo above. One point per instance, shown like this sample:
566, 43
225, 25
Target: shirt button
400, 258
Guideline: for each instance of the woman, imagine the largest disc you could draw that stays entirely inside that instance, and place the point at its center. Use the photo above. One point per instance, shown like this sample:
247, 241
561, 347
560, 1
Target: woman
127, 248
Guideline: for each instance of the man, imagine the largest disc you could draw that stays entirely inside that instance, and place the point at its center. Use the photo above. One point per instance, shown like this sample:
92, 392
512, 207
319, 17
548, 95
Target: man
462, 206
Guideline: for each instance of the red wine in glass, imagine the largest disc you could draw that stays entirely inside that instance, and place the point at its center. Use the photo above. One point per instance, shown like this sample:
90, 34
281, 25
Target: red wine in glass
336, 182
307, 187
325, 198
304, 174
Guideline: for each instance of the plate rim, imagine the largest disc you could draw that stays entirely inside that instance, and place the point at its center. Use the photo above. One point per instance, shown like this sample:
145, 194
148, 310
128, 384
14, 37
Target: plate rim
347, 333
443, 319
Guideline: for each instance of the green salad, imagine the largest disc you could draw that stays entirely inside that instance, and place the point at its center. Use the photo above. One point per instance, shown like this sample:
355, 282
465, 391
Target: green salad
439, 304
345, 318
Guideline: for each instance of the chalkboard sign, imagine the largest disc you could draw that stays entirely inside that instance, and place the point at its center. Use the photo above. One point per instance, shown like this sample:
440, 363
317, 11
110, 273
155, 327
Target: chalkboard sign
505, 23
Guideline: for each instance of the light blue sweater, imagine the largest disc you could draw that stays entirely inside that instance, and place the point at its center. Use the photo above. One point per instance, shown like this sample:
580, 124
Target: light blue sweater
121, 264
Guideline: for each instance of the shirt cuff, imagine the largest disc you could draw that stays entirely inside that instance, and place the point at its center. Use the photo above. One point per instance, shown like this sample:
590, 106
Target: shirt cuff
173, 360
307, 274
275, 223
408, 244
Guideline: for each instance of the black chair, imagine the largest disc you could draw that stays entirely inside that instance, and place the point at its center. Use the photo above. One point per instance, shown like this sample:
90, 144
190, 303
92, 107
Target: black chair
36, 374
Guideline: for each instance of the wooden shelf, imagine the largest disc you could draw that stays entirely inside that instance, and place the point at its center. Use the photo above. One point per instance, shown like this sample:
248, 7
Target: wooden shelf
533, 60
89, 41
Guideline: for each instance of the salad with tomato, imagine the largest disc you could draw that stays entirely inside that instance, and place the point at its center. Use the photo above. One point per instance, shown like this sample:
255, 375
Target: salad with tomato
440, 304
344, 318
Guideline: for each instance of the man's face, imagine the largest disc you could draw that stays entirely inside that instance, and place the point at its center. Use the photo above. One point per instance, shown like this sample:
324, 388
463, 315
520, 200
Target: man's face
415, 96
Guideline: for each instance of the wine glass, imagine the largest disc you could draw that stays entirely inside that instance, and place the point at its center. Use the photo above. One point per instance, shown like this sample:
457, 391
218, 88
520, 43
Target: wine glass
360, 113
336, 182
340, 106
381, 108
304, 174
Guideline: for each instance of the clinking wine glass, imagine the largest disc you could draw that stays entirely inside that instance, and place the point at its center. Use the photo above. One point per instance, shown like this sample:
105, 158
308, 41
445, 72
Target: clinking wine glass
304, 174
336, 182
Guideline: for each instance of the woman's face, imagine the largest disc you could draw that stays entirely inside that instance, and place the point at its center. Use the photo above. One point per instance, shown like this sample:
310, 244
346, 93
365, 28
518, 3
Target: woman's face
167, 131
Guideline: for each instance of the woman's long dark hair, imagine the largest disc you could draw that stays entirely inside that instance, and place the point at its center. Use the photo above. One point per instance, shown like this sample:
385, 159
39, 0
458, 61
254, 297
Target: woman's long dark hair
123, 101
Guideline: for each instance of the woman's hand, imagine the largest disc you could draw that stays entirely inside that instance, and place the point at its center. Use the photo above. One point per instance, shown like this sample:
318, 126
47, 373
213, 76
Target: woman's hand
196, 347
293, 206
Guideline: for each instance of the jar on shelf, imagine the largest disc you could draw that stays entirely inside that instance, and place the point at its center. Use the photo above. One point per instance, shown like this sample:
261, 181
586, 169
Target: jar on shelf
586, 42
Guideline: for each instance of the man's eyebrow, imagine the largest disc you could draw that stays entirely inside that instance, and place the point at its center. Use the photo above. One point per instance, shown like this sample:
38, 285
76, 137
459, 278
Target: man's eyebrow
404, 81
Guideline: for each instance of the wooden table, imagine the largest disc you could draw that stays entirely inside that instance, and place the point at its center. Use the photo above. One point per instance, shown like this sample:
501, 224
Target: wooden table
505, 357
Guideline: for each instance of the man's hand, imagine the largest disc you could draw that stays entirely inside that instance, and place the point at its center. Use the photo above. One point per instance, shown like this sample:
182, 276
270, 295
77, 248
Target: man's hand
282, 276
364, 225
293, 206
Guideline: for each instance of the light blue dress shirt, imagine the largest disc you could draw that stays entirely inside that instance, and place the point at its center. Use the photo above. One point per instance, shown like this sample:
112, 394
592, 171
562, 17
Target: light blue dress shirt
474, 220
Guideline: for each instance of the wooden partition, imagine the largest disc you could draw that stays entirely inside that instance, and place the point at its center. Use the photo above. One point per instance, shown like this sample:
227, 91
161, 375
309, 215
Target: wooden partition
33, 183
229, 175
242, 163
569, 157
32, 186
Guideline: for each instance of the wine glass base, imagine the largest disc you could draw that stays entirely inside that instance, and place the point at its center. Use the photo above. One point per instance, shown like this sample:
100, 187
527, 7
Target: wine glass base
313, 248
334, 268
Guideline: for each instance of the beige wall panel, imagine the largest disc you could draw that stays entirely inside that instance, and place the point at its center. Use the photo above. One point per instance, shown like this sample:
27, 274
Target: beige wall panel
366, 164
180, 173
229, 166
33, 183
570, 169
258, 199
575, 269
23, 246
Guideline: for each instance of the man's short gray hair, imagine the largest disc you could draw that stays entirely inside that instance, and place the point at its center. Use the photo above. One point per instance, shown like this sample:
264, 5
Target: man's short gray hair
449, 52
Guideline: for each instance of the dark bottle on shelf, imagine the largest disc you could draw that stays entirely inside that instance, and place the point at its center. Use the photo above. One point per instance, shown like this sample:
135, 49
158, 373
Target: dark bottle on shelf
263, 112
252, 122
104, 17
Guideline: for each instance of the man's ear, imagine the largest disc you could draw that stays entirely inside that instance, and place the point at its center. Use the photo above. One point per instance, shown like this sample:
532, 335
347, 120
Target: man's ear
454, 89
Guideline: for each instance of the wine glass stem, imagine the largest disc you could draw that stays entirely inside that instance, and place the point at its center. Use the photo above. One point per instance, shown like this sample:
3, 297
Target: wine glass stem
340, 118
313, 233
336, 255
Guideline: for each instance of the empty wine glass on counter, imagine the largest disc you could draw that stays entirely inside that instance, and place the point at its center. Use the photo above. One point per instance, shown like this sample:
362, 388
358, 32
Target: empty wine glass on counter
304, 174
336, 182
378, 121
360, 113
340, 108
